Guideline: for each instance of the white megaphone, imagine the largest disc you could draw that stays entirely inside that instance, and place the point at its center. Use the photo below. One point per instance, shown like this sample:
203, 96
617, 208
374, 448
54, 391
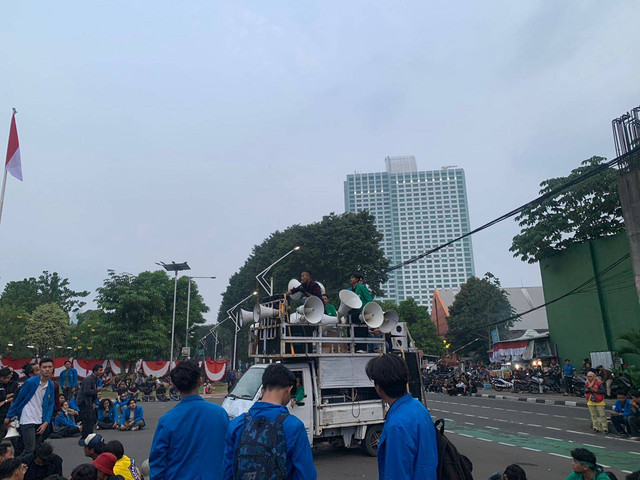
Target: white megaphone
348, 301
260, 312
390, 321
294, 283
296, 317
372, 315
313, 310
246, 317
12, 431
328, 320
322, 289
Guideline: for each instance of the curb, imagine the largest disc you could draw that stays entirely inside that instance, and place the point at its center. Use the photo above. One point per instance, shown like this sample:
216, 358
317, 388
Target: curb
544, 401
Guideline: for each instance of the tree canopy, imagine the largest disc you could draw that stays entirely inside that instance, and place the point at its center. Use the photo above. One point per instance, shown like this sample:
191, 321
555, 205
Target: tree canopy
588, 210
480, 302
30, 293
46, 328
331, 249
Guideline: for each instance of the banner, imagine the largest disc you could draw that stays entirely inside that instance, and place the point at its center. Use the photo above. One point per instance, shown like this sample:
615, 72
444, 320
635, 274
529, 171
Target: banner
215, 370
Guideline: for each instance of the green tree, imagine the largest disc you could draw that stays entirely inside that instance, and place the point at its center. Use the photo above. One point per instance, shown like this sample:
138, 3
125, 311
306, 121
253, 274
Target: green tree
138, 315
480, 302
586, 211
47, 328
13, 331
30, 293
332, 249
87, 336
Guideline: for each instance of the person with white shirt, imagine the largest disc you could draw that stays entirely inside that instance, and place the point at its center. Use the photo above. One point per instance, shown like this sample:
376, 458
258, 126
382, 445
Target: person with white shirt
34, 406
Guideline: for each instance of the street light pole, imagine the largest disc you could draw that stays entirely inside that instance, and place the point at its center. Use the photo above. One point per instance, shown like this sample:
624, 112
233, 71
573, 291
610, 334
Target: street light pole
234, 317
174, 267
186, 337
260, 276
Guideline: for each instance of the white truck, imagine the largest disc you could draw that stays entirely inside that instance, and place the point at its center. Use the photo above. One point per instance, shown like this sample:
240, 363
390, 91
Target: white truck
340, 407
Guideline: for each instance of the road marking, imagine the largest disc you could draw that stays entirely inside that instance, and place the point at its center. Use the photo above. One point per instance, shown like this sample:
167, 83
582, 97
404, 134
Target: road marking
522, 433
594, 446
498, 408
626, 471
635, 453
511, 410
468, 423
557, 439
492, 428
561, 416
484, 406
558, 455
507, 444
554, 428
465, 435
483, 418
605, 466
471, 405
483, 439
532, 449
533, 425
449, 419
545, 415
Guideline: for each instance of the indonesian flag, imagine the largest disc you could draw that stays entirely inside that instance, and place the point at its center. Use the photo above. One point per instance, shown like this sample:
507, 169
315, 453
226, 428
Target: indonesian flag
13, 164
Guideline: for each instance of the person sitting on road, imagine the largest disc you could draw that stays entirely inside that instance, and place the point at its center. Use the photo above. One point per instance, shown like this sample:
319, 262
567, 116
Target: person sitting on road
86, 471
621, 414
132, 417
107, 416
12, 469
93, 445
64, 424
124, 466
104, 463
514, 472
585, 466
42, 463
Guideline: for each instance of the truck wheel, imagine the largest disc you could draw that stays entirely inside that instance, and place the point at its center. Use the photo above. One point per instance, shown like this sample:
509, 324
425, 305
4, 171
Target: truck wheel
372, 440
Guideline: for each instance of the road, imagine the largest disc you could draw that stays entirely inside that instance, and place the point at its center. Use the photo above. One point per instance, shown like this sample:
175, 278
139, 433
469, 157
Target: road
492, 433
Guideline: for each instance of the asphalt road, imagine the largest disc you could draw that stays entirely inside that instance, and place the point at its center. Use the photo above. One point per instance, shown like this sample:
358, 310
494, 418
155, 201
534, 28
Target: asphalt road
492, 433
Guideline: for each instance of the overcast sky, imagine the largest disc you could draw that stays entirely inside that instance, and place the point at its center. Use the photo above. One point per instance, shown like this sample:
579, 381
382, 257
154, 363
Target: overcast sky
190, 131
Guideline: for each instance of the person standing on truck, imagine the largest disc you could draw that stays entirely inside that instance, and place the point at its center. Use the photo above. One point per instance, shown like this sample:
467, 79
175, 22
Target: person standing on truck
328, 308
407, 448
308, 286
267, 443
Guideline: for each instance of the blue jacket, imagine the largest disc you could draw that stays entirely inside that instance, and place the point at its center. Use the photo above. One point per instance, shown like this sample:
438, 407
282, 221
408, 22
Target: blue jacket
299, 459
408, 448
73, 377
26, 392
189, 441
624, 410
137, 415
569, 370
73, 404
64, 419
113, 416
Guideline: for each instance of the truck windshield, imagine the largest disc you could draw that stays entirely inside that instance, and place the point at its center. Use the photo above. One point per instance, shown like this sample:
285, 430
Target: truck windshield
248, 384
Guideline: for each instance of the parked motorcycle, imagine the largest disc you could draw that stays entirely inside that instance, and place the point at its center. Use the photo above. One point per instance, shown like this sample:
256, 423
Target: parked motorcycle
500, 384
579, 385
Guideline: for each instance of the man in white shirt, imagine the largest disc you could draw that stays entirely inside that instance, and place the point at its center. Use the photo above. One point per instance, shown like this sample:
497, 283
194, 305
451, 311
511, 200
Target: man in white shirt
34, 406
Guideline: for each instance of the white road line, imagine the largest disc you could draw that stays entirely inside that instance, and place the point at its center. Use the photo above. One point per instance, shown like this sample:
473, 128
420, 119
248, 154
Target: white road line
507, 444
476, 406
626, 471
635, 453
492, 428
511, 410
533, 425
484, 406
605, 466
497, 408
558, 455
545, 415
449, 419
468, 423
532, 449
483, 439
593, 446
465, 435
552, 438
483, 418
561, 416
554, 428
522, 433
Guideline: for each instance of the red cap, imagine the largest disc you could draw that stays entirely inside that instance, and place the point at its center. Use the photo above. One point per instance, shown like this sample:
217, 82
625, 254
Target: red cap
105, 462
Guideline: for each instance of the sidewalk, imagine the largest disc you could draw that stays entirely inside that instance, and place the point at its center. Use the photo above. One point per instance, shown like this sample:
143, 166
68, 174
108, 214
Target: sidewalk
545, 398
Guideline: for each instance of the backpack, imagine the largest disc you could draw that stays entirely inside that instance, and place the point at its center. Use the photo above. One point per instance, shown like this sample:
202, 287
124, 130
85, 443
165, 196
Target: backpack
261, 453
451, 464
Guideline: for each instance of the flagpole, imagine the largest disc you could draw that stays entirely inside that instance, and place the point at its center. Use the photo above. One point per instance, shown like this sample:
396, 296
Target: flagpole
4, 184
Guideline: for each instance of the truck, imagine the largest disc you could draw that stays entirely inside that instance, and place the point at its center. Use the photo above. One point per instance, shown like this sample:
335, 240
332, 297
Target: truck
340, 405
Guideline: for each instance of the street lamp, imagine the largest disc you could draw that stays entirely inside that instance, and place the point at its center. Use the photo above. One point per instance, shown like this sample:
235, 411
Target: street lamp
234, 317
174, 267
186, 338
268, 286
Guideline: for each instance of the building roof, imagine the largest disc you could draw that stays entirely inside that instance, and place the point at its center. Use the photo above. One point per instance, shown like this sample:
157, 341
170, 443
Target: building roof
522, 299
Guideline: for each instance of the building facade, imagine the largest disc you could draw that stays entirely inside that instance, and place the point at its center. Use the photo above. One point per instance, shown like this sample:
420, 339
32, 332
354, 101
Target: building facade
416, 211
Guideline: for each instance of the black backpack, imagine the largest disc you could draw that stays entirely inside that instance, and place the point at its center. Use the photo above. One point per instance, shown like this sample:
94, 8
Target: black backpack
451, 464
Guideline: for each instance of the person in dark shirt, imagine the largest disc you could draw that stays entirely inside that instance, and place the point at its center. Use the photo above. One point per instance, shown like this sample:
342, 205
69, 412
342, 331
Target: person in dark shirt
8, 391
307, 287
87, 397
42, 463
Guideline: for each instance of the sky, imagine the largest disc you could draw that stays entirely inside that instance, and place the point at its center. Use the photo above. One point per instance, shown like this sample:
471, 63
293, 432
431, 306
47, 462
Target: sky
157, 131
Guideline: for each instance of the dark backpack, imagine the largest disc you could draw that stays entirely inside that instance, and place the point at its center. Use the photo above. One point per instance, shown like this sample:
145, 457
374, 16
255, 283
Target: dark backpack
262, 453
451, 464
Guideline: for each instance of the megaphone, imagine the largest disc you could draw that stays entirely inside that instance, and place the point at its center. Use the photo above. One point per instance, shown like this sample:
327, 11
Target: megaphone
313, 310
322, 289
348, 301
372, 315
260, 312
390, 321
246, 317
296, 317
328, 320
294, 283
12, 431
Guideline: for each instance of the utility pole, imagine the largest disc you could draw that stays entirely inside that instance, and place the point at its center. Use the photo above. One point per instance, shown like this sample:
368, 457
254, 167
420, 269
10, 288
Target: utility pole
626, 136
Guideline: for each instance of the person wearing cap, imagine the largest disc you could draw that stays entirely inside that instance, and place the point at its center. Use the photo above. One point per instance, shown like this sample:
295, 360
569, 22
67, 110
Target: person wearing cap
585, 466
104, 463
189, 439
594, 393
93, 445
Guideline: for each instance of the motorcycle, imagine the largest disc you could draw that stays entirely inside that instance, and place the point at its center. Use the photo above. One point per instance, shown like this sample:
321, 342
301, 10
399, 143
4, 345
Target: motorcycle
579, 385
552, 382
520, 385
500, 384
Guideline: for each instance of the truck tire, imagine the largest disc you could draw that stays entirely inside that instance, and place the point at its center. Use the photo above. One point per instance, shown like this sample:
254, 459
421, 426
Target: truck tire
372, 440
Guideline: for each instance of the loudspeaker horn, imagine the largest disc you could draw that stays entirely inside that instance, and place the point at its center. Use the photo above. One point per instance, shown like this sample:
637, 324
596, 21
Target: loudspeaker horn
372, 315
294, 283
246, 317
295, 317
390, 321
328, 320
313, 310
348, 301
322, 289
260, 312
12, 431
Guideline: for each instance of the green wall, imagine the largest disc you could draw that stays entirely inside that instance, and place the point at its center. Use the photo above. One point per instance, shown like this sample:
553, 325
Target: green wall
591, 320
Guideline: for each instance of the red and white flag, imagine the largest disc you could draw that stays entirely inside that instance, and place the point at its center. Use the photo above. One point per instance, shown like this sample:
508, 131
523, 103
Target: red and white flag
13, 164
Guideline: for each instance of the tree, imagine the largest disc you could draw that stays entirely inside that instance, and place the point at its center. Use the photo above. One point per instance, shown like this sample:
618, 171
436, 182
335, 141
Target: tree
13, 331
138, 315
633, 340
87, 336
480, 303
589, 210
30, 293
47, 328
331, 249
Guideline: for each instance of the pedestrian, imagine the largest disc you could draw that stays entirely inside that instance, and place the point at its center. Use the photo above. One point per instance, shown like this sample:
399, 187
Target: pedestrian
12, 469
124, 466
42, 463
407, 448
68, 380
606, 377
87, 397
193, 426
86, 471
267, 442
594, 393
34, 406
585, 466
8, 390
133, 417
93, 445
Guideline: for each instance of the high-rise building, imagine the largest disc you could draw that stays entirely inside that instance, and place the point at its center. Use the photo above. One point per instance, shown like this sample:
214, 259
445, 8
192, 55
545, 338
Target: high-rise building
416, 211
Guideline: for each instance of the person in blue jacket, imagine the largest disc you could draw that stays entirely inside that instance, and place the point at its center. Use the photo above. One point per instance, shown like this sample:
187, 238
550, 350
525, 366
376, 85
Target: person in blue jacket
132, 418
622, 414
277, 384
64, 424
68, 380
34, 406
189, 439
407, 448
107, 416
